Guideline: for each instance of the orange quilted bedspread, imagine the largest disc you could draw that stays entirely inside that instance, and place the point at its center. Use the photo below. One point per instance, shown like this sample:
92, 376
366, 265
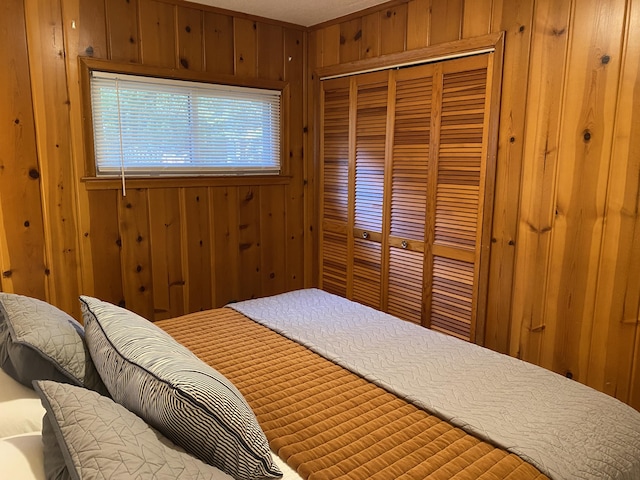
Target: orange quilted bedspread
328, 423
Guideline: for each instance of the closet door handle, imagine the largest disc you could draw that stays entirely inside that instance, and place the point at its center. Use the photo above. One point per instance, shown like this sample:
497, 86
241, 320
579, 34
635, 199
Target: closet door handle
365, 235
404, 244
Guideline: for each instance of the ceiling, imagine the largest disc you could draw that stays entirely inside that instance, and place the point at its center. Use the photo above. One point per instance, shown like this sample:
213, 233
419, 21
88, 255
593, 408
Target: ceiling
299, 12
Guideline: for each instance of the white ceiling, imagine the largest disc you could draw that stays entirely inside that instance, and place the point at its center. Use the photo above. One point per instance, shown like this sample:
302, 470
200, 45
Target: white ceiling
299, 12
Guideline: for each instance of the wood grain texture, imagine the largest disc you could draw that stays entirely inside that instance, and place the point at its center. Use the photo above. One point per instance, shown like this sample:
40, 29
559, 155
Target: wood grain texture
539, 172
22, 255
516, 19
294, 55
477, 16
418, 23
122, 30
446, 20
165, 234
197, 249
157, 33
245, 42
53, 140
218, 38
585, 149
106, 242
617, 297
190, 38
270, 51
135, 258
393, 29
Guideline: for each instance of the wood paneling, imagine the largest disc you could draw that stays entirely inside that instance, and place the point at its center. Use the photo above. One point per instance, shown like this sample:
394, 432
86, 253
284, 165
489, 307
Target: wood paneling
22, 256
563, 276
163, 248
53, 139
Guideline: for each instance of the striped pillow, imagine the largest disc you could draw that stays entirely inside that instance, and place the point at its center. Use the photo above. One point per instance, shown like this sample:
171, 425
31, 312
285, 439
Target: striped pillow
163, 382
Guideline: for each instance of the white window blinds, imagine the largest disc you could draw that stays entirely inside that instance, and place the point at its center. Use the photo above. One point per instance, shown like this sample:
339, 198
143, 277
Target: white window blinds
154, 126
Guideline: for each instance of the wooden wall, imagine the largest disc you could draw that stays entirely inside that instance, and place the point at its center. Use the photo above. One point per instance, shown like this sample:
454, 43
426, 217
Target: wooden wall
564, 287
167, 247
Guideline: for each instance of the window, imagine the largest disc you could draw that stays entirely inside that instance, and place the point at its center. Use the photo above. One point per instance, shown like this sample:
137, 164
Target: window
151, 126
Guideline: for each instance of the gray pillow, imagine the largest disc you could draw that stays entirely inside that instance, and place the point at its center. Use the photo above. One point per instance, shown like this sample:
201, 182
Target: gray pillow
40, 342
86, 435
163, 382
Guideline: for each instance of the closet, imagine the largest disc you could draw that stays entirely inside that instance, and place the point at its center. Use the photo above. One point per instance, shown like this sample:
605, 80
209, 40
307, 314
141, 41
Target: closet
407, 160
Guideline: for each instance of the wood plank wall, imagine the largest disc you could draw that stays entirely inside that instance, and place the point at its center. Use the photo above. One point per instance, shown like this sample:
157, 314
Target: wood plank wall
564, 287
165, 248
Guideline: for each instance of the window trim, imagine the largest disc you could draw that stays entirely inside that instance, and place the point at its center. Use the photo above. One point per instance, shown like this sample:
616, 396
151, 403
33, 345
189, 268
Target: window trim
88, 64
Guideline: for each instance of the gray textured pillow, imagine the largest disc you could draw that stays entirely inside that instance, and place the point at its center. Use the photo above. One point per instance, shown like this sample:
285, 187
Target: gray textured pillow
40, 342
86, 435
163, 382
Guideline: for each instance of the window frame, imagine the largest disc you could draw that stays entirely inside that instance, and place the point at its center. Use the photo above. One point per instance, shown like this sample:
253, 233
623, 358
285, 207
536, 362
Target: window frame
88, 64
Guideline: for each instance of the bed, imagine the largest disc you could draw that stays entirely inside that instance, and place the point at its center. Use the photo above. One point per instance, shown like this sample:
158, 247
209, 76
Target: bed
327, 388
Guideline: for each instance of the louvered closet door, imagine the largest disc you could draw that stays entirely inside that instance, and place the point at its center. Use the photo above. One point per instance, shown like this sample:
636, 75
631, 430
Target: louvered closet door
334, 185
404, 162
409, 178
371, 98
457, 195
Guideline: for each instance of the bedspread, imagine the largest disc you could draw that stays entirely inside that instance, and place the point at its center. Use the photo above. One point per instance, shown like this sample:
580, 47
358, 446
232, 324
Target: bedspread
564, 428
327, 422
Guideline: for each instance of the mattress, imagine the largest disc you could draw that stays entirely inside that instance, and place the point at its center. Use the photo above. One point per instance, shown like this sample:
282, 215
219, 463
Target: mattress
327, 422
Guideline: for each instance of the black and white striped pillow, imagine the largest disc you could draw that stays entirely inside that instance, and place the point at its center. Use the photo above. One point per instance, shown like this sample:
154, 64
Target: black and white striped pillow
163, 382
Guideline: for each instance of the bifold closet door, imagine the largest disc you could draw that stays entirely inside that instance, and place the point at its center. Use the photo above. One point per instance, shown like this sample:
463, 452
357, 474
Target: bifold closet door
367, 182
408, 187
459, 166
404, 180
334, 185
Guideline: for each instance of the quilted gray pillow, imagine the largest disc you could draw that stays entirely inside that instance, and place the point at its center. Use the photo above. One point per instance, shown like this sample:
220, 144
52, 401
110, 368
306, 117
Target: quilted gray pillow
163, 382
86, 435
40, 342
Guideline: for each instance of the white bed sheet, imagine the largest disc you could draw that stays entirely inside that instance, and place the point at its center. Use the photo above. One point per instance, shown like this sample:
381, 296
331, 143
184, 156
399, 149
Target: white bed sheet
20, 408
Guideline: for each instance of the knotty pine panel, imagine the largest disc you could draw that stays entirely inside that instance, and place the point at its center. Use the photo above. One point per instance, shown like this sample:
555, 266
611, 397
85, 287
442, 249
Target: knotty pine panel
446, 20
157, 33
350, 40
370, 36
393, 29
418, 23
586, 132
135, 258
617, 301
537, 198
516, 19
476, 18
245, 41
197, 244
218, 38
270, 51
190, 39
273, 242
53, 139
165, 233
122, 30
226, 244
294, 62
22, 255
106, 243
93, 33
249, 241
